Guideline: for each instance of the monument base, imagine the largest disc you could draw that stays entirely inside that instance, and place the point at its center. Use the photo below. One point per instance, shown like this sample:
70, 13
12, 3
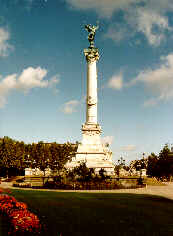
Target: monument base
92, 152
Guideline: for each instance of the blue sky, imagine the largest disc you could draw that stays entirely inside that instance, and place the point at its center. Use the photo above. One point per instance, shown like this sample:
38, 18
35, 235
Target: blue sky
43, 71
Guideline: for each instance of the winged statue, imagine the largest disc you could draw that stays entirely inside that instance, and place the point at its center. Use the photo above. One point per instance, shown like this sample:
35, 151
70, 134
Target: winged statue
92, 31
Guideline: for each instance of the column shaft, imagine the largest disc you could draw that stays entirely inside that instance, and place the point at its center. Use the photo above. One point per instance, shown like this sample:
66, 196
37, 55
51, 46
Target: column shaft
91, 101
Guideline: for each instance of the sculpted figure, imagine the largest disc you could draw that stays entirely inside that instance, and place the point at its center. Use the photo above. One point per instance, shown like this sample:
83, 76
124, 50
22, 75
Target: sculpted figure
92, 31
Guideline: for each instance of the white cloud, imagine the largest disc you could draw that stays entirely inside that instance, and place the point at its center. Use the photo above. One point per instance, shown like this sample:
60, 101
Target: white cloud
116, 82
70, 106
107, 139
2, 101
160, 5
30, 78
129, 148
147, 17
104, 8
5, 47
118, 32
8, 83
150, 102
152, 24
54, 80
158, 80
149, 22
6, 86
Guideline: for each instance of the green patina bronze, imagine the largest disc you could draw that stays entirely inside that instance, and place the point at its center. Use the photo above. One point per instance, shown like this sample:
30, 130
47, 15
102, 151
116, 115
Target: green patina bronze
92, 31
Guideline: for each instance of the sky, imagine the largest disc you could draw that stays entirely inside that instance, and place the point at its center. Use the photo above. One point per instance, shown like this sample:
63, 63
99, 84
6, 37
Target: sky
43, 72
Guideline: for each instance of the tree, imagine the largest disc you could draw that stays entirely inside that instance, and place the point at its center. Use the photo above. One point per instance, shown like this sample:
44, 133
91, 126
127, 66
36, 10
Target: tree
117, 170
102, 174
7, 154
41, 160
161, 166
18, 155
82, 173
60, 154
152, 166
165, 163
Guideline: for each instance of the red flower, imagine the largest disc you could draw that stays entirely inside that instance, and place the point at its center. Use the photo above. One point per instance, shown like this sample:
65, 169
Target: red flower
21, 219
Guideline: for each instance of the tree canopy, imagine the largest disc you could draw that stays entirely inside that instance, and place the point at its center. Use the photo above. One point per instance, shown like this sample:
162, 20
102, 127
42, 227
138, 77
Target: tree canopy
18, 155
159, 166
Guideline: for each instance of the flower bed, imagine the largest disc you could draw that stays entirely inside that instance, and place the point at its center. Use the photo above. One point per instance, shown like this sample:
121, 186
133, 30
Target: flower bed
22, 221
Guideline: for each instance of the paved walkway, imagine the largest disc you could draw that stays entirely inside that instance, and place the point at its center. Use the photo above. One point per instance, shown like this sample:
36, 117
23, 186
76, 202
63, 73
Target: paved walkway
165, 191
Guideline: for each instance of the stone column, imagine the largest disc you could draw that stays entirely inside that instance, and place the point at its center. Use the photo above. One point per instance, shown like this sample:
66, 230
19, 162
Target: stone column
91, 150
91, 130
92, 56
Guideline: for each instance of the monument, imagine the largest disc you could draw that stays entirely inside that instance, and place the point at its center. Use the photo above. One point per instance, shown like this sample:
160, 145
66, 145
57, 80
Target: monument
91, 150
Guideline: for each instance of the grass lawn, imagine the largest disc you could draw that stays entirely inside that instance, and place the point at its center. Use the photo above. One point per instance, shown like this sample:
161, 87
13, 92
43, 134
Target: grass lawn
100, 213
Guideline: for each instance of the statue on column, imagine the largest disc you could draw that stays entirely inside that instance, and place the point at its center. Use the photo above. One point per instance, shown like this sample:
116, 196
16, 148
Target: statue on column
92, 31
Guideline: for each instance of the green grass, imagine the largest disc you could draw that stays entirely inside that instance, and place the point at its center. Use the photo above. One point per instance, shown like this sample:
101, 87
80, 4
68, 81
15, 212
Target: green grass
100, 213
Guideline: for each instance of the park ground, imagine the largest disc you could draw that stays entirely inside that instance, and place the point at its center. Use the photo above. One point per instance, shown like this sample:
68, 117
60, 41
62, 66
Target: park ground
147, 211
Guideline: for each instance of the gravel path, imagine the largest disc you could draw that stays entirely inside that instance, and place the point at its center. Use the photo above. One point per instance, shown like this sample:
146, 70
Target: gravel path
165, 191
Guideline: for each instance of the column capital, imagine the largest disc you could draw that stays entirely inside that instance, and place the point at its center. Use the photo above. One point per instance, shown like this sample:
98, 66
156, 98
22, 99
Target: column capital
91, 54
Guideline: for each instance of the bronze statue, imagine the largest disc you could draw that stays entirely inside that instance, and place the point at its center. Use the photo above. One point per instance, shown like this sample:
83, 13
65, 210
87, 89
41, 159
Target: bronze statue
92, 31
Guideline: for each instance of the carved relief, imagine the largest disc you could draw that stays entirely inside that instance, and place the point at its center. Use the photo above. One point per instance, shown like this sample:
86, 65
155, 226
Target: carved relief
91, 132
91, 54
91, 101
91, 57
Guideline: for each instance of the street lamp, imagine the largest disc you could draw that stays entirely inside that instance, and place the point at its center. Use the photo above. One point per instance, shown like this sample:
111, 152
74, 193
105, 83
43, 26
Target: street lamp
143, 154
140, 181
121, 163
139, 168
143, 165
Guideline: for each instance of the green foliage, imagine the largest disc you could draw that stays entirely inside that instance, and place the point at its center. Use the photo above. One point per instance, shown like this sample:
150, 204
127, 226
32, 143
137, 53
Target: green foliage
82, 173
8, 154
153, 168
140, 164
60, 154
159, 166
165, 163
18, 155
117, 170
102, 174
